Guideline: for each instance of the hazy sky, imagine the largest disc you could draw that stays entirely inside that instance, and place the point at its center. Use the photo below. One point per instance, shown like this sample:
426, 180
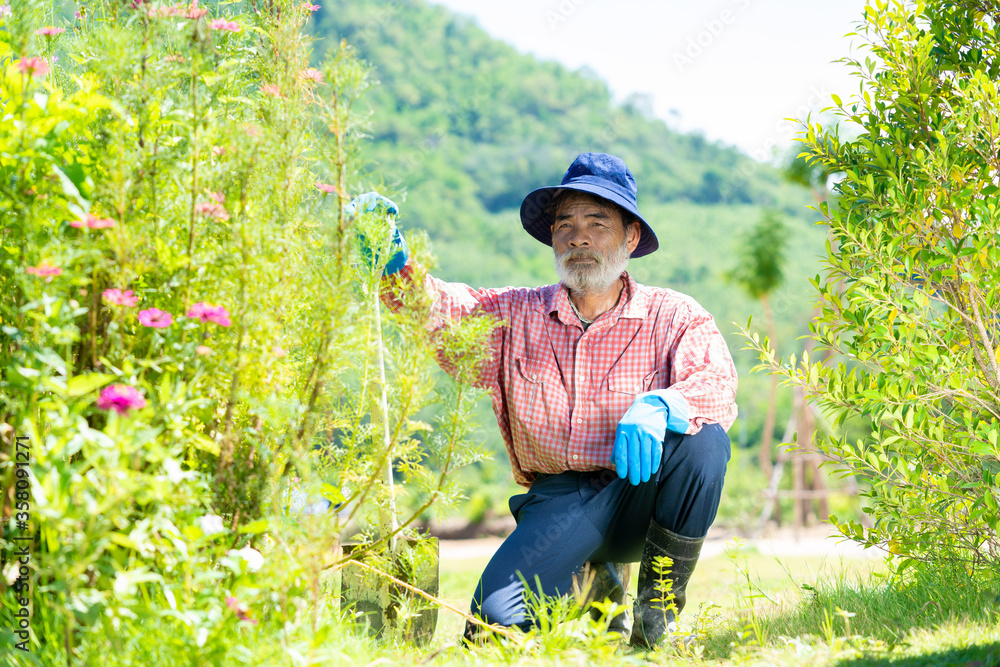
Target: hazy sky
730, 68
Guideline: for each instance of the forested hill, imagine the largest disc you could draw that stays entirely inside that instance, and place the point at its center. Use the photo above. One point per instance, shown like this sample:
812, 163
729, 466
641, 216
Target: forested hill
466, 126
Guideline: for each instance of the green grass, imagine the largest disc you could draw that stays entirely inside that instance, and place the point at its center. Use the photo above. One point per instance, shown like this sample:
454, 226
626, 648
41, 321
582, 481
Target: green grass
750, 609
744, 608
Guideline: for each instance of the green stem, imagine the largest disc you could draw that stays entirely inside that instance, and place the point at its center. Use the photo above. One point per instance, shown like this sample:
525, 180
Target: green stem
194, 189
445, 471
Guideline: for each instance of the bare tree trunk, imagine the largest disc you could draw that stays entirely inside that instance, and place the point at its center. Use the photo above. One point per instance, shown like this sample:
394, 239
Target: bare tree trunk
767, 436
798, 485
807, 462
798, 466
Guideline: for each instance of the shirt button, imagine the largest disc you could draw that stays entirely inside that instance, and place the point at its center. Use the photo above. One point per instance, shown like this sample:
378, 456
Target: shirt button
575, 457
638, 386
579, 420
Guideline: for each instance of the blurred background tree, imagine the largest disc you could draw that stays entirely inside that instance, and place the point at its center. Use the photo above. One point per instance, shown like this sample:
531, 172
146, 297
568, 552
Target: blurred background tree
760, 272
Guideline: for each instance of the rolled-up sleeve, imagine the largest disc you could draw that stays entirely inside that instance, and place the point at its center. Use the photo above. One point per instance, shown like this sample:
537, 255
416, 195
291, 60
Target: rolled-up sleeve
447, 303
702, 369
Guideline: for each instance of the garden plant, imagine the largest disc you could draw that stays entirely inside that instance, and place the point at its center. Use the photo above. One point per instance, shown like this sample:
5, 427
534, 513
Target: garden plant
189, 335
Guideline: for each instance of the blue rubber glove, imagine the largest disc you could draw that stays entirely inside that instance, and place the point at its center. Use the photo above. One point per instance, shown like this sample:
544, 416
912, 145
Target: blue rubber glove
383, 207
640, 433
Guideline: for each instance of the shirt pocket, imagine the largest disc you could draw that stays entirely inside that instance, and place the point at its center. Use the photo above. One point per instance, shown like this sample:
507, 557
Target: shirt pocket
623, 386
536, 391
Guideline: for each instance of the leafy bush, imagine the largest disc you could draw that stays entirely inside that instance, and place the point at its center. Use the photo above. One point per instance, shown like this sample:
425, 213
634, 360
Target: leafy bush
186, 343
909, 296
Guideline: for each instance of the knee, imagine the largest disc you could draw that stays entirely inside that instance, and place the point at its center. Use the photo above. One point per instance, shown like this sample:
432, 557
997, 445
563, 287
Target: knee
504, 606
707, 453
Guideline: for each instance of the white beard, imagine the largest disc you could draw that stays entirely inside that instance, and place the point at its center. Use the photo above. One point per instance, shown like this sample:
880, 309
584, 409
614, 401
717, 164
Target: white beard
597, 277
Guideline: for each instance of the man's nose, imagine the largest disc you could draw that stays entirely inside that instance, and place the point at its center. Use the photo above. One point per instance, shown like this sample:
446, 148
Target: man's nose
579, 239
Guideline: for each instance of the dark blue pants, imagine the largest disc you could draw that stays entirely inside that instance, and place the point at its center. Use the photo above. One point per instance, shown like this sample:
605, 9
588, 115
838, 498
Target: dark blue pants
565, 520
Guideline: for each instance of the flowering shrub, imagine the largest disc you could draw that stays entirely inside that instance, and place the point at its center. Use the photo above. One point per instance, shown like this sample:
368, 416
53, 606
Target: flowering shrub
184, 337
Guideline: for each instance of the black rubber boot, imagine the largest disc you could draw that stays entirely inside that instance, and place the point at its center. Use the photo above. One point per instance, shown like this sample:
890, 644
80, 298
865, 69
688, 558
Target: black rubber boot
651, 619
475, 635
611, 583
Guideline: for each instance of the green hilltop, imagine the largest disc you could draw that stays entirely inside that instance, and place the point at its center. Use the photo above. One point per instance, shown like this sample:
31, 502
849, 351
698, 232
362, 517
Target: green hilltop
464, 126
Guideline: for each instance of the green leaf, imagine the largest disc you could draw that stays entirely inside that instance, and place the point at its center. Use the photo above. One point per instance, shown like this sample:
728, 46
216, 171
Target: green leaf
123, 541
126, 582
70, 189
205, 444
84, 384
255, 527
332, 493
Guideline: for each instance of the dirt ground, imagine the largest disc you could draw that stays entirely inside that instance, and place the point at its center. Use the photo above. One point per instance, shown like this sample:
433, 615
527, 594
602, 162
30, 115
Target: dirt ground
819, 540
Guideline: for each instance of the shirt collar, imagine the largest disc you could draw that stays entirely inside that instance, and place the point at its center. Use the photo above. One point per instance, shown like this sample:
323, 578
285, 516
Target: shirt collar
632, 304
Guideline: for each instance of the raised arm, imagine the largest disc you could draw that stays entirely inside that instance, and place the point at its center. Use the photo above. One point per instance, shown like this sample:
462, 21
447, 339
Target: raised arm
406, 284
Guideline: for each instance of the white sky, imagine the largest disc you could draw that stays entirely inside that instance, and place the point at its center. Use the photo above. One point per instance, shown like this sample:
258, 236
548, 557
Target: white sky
733, 69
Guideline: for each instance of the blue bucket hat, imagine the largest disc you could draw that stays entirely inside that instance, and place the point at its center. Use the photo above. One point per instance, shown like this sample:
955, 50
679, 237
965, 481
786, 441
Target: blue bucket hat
599, 174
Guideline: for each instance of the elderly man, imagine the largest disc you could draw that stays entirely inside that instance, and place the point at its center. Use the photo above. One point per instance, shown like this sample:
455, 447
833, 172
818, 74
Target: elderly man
594, 376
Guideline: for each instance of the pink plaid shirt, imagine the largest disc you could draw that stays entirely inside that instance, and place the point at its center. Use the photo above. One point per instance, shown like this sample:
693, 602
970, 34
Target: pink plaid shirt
558, 391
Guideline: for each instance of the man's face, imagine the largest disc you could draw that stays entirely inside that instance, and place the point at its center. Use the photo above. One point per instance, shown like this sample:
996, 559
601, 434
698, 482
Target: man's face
591, 245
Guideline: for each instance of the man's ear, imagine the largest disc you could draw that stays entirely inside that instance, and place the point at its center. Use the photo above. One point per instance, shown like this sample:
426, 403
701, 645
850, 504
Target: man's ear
633, 232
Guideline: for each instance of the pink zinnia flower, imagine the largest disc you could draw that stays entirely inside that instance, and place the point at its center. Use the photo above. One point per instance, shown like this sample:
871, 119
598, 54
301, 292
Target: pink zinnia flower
218, 150
121, 398
217, 197
278, 352
203, 350
326, 188
77, 14
44, 270
223, 24
156, 318
311, 74
240, 609
193, 12
311, 8
50, 31
209, 313
33, 66
271, 89
93, 222
212, 210
120, 298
